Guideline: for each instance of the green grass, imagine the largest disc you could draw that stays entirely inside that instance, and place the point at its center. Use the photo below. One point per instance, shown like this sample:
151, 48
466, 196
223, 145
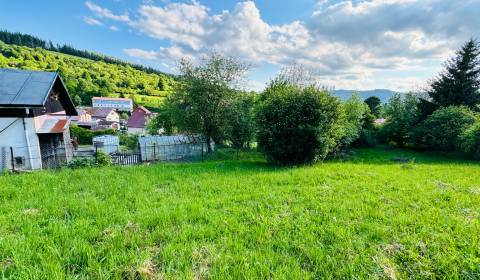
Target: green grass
366, 217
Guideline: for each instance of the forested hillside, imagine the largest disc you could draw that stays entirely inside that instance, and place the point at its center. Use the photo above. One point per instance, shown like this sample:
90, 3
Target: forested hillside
26, 40
86, 78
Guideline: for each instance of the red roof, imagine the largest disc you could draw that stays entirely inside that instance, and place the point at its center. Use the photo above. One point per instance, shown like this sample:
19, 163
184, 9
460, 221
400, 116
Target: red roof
99, 112
139, 117
53, 126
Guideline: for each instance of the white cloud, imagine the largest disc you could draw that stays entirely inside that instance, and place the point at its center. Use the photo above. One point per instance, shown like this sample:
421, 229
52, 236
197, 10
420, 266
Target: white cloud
105, 13
348, 43
138, 53
92, 21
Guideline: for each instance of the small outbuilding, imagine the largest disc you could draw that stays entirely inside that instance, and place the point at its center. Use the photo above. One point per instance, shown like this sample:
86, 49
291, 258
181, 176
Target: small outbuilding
32, 136
108, 143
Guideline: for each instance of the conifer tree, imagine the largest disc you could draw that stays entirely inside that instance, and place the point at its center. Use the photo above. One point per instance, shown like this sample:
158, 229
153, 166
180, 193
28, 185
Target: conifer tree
459, 83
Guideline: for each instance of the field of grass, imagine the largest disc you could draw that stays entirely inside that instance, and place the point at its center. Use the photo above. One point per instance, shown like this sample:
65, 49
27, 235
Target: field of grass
366, 217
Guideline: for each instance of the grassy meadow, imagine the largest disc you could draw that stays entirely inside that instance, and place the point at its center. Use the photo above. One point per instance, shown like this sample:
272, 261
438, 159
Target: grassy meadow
364, 217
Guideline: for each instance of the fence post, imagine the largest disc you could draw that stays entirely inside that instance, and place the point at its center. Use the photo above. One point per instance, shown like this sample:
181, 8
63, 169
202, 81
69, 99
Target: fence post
12, 159
139, 152
202, 151
96, 152
154, 153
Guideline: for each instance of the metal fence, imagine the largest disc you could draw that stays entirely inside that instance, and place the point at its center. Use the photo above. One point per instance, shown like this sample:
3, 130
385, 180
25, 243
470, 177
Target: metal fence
34, 158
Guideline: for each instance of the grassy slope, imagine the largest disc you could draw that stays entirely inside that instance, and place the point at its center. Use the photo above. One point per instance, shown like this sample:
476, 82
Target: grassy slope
364, 218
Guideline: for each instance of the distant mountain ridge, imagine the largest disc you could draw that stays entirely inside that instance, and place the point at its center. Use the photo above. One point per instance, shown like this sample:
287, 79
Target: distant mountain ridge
383, 94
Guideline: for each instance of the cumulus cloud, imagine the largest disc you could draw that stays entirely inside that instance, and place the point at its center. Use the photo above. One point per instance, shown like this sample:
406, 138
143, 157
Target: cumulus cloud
346, 42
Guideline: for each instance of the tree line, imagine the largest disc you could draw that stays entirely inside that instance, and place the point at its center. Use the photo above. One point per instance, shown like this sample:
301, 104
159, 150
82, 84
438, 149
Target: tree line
293, 121
296, 121
20, 39
444, 119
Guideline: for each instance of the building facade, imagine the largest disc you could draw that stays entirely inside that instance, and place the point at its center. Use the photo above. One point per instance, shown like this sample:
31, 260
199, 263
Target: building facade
137, 123
120, 104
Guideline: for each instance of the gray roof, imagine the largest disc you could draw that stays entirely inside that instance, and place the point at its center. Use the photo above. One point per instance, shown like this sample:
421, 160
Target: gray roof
20, 88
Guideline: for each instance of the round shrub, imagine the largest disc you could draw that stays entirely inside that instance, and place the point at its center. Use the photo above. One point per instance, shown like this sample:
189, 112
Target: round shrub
470, 142
298, 125
442, 129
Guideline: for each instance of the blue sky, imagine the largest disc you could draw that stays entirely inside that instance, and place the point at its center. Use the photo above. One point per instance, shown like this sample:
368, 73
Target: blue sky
394, 44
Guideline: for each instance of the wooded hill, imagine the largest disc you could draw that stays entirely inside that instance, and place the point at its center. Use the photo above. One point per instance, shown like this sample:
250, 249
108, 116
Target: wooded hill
86, 78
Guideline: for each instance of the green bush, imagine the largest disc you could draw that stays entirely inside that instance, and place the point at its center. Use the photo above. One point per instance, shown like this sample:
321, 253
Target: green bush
401, 114
102, 159
85, 136
81, 163
470, 141
298, 124
368, 139
442, 129
129, 140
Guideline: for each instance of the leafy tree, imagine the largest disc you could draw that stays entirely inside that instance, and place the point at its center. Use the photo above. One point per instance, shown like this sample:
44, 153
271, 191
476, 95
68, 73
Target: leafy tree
470, 141
442, 129
298, 124
129, 140
240, 119
355, 113
375, 105
459, 84
164, 120
77, 100
401, 117
203, 94
124, 116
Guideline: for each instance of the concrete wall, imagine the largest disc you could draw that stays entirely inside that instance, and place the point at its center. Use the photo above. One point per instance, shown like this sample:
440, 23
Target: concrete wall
24, 145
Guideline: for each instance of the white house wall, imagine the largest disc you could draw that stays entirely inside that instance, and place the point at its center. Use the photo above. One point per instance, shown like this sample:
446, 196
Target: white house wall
113, 117
24, 145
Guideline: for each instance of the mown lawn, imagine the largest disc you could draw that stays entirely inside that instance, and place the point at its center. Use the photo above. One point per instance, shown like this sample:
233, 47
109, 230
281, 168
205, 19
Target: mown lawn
367, 217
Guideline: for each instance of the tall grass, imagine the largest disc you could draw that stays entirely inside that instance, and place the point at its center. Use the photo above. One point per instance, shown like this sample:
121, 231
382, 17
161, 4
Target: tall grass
367, 217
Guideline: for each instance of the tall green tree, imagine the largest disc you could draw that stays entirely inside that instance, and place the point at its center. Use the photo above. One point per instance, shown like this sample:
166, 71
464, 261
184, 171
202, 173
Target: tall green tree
203, 95
355, 113
241, 120
401, 113
459, 83
375, 105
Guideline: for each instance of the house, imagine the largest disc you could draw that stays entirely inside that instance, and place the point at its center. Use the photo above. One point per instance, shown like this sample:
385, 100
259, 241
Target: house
105, 114
84, 119
120, 104
137, 122
33, 131
97, 118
